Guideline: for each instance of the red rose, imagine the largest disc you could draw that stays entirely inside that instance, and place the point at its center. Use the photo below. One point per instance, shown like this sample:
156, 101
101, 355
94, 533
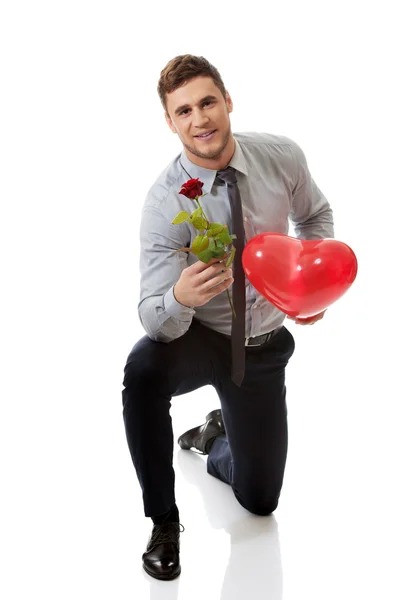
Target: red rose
192, 188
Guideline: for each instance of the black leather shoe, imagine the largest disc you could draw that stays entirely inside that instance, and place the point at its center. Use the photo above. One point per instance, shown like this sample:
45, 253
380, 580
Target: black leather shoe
161, 559
201, 437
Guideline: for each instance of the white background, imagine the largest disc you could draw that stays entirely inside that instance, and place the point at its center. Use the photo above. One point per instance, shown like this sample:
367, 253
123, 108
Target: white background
82, 139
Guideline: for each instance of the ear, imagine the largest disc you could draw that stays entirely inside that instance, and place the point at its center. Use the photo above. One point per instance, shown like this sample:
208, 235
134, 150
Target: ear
170, 123
229, 102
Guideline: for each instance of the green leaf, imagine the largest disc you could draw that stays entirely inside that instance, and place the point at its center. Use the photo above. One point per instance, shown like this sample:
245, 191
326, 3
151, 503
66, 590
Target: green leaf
195, 214
181, 218
200, 223
197, 219
225, 237
215, 229
211, 244
200, 243
231, 257
205, 256
218, 252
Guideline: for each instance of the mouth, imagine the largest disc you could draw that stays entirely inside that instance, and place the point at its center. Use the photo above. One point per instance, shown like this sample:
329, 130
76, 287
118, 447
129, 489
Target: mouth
206, 136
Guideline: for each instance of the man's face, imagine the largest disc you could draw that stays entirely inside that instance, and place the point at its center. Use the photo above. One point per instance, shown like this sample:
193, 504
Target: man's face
198, 108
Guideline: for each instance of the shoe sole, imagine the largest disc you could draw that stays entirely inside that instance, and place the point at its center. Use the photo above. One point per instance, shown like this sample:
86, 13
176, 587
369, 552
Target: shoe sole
163, 577
183, 443
214, 414
212, 424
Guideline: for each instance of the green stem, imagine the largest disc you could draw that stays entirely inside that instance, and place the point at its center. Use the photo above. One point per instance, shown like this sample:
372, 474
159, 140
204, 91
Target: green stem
204, 214
230, 302
208, 224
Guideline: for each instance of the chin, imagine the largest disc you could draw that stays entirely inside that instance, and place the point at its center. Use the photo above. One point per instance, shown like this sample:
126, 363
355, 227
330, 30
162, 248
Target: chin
212, 152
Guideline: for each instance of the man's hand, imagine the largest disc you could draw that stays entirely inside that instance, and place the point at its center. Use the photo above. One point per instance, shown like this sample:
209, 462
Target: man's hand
309, 320
202, 281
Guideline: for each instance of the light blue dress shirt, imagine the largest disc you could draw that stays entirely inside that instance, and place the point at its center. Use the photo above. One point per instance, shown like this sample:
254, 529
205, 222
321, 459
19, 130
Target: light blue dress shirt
275, 185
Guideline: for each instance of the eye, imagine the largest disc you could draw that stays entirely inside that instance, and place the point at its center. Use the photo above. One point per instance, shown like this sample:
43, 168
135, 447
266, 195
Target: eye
186, 111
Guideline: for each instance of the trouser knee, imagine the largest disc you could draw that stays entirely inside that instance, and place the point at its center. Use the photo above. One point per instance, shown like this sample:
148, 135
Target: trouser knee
145, 373
258, 501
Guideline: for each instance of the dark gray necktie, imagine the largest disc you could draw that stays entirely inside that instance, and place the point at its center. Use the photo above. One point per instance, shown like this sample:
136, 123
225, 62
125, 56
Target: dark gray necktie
228, 175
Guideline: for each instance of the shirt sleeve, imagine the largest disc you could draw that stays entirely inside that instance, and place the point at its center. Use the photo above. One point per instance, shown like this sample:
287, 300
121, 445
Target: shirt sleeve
311, 213
161, 315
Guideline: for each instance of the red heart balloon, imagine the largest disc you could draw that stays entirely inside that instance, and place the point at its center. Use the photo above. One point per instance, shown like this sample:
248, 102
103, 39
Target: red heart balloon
300, 277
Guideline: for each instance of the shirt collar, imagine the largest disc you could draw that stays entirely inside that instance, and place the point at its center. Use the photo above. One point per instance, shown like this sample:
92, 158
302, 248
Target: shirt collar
207, 176
238, 161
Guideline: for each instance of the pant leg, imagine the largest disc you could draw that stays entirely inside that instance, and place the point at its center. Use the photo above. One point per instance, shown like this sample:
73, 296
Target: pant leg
155, 372
252, 456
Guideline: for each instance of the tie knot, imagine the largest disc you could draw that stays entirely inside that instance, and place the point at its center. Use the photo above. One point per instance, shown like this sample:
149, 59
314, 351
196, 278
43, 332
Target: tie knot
228, 175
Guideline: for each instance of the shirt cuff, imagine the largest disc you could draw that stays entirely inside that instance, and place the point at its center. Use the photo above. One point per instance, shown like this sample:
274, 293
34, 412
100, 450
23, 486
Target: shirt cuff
174, 309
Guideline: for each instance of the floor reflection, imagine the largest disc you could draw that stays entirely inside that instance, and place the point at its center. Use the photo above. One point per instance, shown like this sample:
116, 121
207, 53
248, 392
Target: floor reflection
254, 566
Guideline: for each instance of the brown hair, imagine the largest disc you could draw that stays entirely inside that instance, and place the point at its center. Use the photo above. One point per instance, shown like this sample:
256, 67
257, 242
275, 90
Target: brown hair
182, 69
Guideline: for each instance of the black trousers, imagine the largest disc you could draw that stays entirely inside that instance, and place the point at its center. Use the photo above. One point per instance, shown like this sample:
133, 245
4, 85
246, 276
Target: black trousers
251, 457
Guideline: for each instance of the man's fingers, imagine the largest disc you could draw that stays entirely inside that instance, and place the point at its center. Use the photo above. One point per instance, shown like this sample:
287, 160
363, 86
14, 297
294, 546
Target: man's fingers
214, 291
200, 266
217, 280
214, 275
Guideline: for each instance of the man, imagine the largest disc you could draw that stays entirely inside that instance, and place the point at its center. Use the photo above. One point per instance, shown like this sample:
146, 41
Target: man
187, 316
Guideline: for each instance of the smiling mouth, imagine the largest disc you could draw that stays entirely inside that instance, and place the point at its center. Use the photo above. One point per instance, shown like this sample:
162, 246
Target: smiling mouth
206, 135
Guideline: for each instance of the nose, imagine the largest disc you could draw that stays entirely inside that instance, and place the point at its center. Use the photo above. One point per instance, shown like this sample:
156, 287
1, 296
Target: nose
199, 119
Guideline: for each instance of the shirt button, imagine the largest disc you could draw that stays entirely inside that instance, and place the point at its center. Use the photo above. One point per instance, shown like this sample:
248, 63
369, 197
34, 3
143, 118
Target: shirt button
246, 219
